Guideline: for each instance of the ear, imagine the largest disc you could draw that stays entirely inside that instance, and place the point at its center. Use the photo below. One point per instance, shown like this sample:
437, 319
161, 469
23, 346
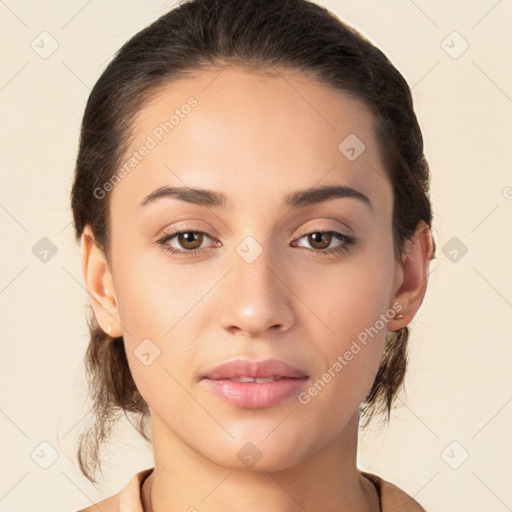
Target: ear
412, 275
99, 284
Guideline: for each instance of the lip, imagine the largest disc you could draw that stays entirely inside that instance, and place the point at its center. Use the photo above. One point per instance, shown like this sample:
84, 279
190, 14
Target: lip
255, 395
256, 369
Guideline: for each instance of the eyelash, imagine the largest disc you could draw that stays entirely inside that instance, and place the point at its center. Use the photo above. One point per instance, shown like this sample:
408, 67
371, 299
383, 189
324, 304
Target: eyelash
347, 240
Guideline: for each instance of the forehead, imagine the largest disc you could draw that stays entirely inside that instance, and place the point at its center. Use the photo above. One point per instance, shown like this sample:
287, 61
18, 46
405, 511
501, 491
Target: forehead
251, 134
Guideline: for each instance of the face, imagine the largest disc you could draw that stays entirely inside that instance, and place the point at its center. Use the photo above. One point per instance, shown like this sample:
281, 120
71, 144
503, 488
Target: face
257, 276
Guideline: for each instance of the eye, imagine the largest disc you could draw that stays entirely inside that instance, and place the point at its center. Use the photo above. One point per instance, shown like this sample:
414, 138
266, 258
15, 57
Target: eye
190, 240
321, 240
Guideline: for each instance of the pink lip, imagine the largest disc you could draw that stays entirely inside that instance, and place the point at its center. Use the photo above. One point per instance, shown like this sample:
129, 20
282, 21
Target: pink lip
255, 395
258, 369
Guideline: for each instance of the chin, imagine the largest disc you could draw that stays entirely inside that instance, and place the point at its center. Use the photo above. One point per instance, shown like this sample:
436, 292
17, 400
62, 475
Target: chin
259, 455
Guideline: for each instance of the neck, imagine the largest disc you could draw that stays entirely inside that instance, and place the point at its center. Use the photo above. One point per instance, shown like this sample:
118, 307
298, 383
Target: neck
184, 479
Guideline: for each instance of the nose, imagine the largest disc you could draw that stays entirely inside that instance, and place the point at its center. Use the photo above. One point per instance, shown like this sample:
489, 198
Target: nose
256, 297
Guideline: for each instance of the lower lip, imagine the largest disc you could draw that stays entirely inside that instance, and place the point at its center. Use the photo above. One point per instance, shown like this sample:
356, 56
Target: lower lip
255, 395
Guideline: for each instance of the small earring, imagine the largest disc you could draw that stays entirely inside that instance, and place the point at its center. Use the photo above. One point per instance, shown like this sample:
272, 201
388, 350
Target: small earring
399, 316
109, 330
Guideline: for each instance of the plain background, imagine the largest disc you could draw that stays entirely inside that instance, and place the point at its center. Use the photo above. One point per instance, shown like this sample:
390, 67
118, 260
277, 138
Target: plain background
449, 442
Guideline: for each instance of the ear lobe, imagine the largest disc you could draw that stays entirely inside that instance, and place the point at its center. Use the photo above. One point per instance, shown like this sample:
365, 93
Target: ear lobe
416, 258
99, 284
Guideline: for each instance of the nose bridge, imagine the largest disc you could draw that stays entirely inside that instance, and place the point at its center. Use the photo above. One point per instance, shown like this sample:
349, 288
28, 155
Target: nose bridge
254, 266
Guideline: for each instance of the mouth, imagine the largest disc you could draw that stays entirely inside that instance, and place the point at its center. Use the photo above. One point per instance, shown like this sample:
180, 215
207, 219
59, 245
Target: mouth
254, 384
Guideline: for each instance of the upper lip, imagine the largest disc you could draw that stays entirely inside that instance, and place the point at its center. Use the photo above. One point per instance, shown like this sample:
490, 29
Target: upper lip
255, 369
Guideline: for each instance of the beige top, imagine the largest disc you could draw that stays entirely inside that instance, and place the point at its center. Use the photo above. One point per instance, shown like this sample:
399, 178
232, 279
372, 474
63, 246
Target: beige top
128, 499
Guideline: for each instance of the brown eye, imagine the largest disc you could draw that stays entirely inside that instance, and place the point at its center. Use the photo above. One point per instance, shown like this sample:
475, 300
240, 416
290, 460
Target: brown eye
321, 242
185, 243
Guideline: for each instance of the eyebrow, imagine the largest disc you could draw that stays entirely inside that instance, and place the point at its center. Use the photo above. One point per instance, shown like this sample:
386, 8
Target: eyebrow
297, 199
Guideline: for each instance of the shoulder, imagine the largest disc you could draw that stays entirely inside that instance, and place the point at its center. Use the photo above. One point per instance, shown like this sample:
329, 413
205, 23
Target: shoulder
110, 504
128, 499
392, 497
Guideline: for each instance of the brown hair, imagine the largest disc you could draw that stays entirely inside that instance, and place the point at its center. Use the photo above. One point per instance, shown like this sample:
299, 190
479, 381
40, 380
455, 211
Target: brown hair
257, 35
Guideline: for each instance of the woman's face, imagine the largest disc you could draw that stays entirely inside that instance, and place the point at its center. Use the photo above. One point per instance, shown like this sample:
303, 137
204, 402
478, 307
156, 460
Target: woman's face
261, 282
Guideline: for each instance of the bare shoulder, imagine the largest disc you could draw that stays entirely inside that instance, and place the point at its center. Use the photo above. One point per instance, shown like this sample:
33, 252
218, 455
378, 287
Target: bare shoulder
110, 504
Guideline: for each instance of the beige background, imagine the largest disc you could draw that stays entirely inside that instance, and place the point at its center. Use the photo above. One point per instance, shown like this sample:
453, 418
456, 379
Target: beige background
459, 383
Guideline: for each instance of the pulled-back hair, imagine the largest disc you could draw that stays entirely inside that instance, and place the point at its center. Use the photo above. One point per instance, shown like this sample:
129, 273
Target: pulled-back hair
257, 35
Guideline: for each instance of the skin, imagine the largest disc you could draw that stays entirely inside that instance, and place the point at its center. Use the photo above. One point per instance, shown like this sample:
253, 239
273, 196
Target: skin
255, 138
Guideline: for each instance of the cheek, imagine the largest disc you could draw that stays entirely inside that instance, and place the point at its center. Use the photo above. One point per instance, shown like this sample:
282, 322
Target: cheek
152, 295
346, 298
347, 307
158, 309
